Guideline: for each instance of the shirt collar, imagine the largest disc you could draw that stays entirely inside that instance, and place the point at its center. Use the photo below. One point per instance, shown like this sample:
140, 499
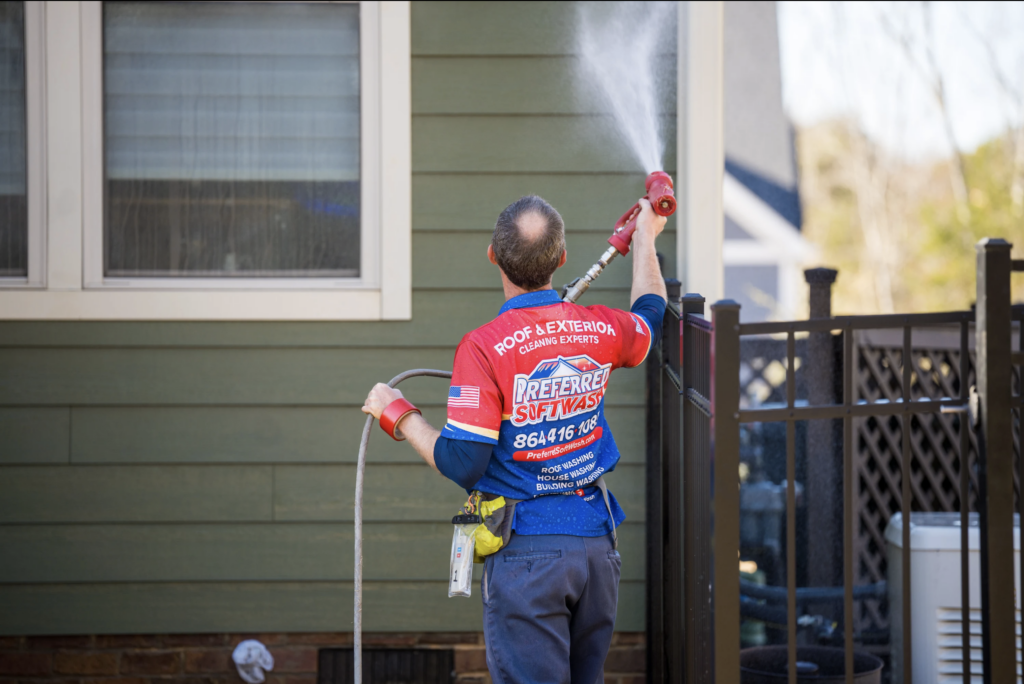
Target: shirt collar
537, 298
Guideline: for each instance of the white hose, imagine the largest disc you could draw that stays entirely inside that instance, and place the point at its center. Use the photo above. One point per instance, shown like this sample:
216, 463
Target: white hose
357, 639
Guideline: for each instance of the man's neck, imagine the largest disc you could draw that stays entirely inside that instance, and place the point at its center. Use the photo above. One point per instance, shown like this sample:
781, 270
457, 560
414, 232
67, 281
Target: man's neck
513, 290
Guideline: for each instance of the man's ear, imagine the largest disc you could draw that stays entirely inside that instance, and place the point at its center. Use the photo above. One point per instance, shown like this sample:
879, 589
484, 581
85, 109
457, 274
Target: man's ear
490, 255
561, 262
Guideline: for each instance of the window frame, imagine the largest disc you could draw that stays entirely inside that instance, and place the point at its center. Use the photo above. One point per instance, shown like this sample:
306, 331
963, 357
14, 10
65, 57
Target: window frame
72, 241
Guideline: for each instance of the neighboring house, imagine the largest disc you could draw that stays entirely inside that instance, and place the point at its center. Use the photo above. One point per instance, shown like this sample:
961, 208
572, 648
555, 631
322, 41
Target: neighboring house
763, 252
221, 253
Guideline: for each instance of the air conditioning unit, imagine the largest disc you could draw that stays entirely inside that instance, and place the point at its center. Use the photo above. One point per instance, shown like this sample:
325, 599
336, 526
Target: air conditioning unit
935, 606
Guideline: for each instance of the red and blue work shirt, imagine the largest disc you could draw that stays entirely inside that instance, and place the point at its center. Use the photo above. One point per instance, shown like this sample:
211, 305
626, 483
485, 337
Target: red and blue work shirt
532, 383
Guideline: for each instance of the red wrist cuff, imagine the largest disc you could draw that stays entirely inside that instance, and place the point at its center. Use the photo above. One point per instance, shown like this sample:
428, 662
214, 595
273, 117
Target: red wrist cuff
393, 414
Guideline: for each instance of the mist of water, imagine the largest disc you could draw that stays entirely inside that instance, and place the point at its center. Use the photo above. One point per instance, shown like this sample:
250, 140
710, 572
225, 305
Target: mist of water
623, 57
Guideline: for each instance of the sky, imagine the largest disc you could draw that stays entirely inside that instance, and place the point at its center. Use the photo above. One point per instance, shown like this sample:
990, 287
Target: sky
869, 60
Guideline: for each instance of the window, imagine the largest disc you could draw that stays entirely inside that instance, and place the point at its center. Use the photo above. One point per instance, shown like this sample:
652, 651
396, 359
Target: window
219, 161
231, 137
13, 143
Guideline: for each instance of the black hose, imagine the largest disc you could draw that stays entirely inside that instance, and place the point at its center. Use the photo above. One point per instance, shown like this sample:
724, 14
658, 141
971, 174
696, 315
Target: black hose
878, 590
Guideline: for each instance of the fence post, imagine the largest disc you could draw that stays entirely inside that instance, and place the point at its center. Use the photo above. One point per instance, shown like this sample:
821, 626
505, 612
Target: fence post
995, 463
655, 575
725, 456
688, 486
824, 459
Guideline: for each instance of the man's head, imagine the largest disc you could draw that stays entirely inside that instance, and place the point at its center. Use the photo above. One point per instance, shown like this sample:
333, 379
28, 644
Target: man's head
529, 242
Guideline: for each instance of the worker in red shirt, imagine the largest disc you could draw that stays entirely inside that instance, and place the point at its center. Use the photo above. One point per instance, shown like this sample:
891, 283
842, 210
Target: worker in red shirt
526, 423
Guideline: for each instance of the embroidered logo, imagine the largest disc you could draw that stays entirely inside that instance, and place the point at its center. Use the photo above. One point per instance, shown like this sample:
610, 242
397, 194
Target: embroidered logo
557, 389
464, 396
639, 328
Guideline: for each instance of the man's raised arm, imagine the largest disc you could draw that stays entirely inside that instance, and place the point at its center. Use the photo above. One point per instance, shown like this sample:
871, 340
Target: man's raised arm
647, 278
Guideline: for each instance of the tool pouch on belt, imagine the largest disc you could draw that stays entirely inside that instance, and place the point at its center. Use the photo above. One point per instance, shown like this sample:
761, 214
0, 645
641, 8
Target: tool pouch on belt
495, 522
494, 518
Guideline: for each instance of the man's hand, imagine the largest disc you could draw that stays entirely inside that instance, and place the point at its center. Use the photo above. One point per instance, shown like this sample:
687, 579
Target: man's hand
378, 399
648, 224
413, 427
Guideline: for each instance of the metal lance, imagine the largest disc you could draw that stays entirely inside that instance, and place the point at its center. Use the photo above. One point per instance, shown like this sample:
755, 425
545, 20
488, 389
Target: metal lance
663, 201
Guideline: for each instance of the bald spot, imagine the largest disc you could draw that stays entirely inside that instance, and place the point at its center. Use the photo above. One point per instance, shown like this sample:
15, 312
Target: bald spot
532, 226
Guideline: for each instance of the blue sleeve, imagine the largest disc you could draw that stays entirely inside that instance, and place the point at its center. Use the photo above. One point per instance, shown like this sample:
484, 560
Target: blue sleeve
462, 461
652, 308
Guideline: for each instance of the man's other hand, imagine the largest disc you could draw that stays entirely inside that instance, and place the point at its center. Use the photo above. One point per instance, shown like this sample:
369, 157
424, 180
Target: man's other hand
648, 224
378, 399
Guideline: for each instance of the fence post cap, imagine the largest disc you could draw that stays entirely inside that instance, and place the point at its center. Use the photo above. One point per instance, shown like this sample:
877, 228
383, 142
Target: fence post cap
726, 304
820, 275
993, 243
693, 297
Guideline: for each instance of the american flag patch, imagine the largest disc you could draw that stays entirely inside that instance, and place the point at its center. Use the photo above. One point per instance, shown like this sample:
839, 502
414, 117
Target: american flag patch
464, 396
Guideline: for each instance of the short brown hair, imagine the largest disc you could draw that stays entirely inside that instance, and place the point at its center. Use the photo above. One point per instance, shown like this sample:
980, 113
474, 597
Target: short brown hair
528, 263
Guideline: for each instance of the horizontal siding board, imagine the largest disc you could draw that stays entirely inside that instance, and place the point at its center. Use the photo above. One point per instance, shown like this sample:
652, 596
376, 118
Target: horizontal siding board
32, 554
223, 434
230, 434
501, 28
515, 85
205, 376
527, 144
208, 377
392, 492
589, 203
247, 607
493, 28
401, 493
448, 260
440, 318
34, 435
81, 494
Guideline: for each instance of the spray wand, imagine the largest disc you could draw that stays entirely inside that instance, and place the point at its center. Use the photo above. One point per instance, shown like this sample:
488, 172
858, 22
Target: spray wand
659, 193
663, 201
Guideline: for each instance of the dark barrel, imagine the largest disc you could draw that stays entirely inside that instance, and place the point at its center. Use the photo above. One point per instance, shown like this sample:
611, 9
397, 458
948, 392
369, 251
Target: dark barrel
815, 664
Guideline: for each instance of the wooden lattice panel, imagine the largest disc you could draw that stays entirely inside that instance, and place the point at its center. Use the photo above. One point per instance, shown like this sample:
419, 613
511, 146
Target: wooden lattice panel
934, 452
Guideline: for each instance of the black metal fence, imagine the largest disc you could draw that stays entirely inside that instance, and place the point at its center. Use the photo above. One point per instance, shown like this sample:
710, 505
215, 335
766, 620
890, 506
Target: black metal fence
694, 588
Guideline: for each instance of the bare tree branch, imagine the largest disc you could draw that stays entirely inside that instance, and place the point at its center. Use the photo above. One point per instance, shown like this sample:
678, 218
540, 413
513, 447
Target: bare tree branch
1014, 121
931, 74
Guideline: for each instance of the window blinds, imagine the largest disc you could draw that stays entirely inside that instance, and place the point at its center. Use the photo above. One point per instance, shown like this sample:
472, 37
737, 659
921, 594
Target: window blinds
231, 91
12, 99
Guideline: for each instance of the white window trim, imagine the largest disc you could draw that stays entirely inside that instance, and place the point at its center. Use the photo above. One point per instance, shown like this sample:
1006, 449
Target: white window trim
71, 283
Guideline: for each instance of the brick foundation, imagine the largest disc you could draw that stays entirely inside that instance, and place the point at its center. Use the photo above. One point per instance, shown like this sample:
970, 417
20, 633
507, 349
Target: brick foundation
206, 658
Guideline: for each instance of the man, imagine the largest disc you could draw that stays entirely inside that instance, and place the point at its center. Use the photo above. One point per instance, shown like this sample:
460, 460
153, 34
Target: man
526, 422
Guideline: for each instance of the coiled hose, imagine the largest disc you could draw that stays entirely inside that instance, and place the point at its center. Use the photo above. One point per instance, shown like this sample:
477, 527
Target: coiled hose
357, 639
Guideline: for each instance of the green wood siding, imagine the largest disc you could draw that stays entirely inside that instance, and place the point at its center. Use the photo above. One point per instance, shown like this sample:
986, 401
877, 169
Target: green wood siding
204, 607
239, 552
198, 477
35, 435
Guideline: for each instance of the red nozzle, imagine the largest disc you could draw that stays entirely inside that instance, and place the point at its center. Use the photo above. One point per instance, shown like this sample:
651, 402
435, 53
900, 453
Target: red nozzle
659, 192
663, 201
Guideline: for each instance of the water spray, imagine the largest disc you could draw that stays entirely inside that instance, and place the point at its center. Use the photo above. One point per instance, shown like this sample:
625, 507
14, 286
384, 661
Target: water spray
663, 201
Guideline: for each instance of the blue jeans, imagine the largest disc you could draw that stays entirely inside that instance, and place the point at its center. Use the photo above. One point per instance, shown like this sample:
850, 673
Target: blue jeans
549, 609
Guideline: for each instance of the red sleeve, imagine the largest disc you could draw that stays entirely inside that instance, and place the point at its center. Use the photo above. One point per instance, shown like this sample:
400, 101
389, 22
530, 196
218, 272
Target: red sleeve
632, 334
474, 398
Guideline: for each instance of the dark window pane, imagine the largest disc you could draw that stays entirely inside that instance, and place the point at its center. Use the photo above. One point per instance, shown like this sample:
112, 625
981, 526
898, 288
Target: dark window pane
232, 139
13, 155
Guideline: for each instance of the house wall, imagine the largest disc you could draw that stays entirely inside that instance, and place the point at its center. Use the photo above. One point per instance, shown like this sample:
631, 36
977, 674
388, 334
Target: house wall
198, 477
